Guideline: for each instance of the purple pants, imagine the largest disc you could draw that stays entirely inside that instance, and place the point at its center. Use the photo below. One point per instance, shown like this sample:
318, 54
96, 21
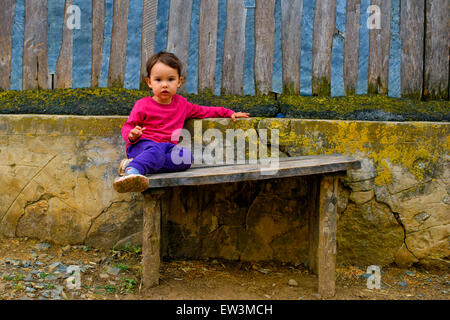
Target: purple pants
152, 157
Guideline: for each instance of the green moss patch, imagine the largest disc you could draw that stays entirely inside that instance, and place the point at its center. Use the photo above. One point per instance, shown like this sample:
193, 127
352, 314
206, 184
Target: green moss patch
119, 101
364, 107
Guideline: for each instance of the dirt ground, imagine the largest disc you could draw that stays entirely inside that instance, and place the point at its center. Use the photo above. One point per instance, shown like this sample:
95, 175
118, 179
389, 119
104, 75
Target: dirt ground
34, 270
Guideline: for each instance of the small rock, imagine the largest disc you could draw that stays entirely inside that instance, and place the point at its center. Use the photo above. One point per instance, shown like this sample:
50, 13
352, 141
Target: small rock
53, 266
42, 246
104, 275
112, 270
292, 283
403, 284
264, 271
28, 277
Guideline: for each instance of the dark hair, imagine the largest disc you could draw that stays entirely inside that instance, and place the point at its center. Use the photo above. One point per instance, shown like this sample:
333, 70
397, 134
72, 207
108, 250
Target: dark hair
168, 59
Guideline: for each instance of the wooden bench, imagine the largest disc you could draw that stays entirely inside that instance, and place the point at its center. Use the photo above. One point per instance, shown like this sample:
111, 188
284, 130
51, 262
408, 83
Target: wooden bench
326, 170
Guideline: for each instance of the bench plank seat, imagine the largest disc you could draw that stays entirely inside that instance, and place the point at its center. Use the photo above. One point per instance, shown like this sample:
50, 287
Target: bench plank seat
324, 170
288, 167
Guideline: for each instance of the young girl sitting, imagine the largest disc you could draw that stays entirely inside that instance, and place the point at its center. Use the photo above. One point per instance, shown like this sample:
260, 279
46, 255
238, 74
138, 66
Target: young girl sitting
151, 130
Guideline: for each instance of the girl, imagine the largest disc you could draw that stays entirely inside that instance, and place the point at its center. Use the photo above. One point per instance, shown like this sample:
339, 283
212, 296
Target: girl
151, 130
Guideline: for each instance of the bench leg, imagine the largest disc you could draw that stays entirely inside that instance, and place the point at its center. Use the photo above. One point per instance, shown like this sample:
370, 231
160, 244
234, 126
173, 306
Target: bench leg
322, 223
151, 239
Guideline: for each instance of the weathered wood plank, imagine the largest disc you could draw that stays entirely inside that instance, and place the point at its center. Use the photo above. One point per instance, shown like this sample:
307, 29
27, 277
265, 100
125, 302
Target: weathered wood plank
117, 60
326, 248
324, 28
98, 29
151, 239
264, 36
149, 15
207, 44
6, 20
234, 49
291, 37
234, 173
436, 50
313, 223
63, 71
179, 32
35, 45
412, 28
351, 46
379, 43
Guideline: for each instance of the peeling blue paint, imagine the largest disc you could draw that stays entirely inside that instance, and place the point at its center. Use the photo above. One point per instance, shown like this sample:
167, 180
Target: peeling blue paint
249, 54
337, 61
18, 29
109, 12
277, 71
162, 25
363, 61
134, 36
395, 54
221, 26
55, 29
192, 67
82, 47
307, 44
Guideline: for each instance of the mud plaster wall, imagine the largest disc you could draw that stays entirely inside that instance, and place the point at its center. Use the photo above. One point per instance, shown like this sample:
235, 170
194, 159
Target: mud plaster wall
57, 172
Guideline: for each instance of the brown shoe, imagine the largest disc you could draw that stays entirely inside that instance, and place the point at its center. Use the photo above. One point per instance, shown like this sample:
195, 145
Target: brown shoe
131, 183
123, 165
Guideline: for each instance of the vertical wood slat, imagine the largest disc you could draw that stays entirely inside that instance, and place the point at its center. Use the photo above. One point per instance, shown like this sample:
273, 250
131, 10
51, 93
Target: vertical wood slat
351, 46
327, 225
6, 21
436, 77
313, 223
149, 15
379, 44
117, 60
264, 36
151, 239
324, 28
412, 27
207, 44
179, 32
291, 37
35, 45
234, 49
98, 29
63, 72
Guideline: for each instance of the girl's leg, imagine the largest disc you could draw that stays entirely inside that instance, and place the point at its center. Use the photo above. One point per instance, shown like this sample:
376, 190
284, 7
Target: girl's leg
177, 159
148, 156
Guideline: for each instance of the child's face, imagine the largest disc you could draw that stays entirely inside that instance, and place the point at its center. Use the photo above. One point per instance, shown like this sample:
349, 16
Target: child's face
164, 81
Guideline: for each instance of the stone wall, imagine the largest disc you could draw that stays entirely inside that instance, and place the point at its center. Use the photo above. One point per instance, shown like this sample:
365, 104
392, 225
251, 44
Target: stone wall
57, 174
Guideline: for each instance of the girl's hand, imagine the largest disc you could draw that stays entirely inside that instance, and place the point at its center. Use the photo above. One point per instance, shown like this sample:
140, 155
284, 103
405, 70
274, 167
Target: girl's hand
135, 133
239, 115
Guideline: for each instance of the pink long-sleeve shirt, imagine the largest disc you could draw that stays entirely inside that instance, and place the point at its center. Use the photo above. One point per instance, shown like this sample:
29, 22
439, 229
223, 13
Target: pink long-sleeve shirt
164, 121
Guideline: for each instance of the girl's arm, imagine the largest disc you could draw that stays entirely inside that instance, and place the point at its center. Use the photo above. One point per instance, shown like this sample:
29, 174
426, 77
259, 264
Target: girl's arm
201, 112
134, 119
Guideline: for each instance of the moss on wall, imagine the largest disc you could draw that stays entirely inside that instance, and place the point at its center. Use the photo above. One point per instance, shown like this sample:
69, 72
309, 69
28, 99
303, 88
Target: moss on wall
119, 101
